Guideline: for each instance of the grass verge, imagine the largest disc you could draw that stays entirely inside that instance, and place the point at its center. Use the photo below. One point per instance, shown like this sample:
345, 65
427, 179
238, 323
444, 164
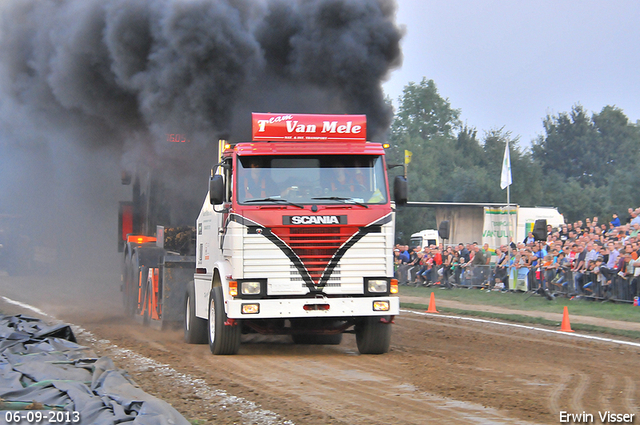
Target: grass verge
518, 318
522, 301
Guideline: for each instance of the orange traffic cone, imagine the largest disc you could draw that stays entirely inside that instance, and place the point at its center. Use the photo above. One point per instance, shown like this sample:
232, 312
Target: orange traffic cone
432, 304
566, 326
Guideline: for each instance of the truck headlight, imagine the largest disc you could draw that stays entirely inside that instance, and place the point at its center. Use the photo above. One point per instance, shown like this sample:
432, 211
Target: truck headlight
251, 308
381, 306
377, 285
250, 288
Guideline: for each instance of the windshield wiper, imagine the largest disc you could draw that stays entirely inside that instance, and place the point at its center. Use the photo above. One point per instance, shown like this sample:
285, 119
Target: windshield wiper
270, 199
340, 198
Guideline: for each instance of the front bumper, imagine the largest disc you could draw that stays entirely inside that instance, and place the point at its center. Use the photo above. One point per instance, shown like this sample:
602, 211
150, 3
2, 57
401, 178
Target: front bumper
295, 308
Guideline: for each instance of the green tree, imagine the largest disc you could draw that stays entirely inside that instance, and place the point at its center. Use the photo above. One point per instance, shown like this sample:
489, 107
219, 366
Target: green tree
589, 162
423, 114
467, 143
584, 164
588, 149
425, 124
449, 162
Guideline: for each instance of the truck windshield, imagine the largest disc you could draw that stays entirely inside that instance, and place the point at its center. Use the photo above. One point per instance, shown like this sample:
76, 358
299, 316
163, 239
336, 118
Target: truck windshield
311, 179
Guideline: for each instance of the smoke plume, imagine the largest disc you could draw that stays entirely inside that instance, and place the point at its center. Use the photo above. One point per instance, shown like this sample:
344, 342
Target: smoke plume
92, 86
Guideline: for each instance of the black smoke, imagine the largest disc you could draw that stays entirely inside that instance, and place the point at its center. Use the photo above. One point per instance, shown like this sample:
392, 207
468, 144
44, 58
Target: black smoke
89, 87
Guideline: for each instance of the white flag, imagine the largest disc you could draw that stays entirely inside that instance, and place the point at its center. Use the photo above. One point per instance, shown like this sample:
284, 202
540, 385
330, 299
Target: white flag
505, 178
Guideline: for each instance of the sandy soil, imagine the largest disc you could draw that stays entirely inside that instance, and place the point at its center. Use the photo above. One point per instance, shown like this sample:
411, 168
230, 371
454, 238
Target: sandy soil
439, 370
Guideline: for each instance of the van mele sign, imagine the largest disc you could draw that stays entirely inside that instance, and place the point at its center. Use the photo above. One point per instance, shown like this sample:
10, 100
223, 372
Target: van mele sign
308, 127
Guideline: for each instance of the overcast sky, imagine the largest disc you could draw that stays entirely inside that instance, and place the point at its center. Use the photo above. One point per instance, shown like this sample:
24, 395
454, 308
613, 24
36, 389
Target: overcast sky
510, 63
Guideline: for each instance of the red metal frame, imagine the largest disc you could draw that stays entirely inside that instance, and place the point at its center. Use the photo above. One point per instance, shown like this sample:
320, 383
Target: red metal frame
307, 148
153, 303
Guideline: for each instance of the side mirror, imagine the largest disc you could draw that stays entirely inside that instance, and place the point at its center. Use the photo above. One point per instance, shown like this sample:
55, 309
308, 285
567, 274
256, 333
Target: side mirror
400, 190
216, 189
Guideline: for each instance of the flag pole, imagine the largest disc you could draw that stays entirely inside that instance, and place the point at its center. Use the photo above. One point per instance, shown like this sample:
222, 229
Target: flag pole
407, 160
505, 182
509, 209
509, 198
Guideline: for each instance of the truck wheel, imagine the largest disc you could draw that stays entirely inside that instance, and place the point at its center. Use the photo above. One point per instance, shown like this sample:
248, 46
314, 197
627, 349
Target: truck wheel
195, 328
127, 289
223, 339
314, 339
148, 293
373, 336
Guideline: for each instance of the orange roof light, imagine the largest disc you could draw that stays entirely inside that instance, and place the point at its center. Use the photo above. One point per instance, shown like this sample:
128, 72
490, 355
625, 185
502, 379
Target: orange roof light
140, 239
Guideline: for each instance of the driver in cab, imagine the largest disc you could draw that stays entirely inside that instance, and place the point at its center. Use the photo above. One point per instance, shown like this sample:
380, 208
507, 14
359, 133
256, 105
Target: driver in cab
341, 183
257, 183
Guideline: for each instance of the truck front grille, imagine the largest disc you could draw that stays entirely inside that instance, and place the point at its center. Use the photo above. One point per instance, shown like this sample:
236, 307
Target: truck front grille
316, 245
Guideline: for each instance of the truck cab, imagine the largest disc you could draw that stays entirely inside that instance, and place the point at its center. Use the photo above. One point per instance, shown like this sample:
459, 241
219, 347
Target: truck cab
427, 237
295, 237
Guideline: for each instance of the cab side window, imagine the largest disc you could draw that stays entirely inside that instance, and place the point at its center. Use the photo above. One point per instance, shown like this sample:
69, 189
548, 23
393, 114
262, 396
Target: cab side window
228, 181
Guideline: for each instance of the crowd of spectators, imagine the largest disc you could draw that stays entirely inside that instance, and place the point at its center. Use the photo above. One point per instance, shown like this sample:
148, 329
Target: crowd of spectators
584, 258
439, 265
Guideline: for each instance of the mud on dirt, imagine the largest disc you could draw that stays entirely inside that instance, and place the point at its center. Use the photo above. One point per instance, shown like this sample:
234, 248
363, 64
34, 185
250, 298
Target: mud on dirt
439, 370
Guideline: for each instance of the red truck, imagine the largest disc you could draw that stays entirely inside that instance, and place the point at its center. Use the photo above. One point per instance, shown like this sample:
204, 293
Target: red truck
294, 237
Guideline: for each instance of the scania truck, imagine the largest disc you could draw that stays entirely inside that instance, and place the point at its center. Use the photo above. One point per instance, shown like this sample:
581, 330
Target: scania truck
294, 237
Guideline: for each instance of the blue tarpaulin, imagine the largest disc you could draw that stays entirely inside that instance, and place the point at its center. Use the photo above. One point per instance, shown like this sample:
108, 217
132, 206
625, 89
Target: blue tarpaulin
44, 369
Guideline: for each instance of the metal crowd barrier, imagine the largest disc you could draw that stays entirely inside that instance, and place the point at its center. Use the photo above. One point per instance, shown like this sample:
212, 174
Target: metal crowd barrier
621, 288
473, 276
562, 283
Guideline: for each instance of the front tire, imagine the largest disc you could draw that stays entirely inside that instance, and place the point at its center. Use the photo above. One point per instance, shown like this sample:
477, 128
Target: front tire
195, 328
223, 339
373, 336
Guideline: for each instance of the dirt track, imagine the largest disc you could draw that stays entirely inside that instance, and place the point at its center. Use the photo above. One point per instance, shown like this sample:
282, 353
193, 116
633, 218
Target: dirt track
439, 370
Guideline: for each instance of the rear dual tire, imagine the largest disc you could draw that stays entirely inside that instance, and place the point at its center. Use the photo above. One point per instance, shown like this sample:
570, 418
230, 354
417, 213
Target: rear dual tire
130, 285
195, 328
